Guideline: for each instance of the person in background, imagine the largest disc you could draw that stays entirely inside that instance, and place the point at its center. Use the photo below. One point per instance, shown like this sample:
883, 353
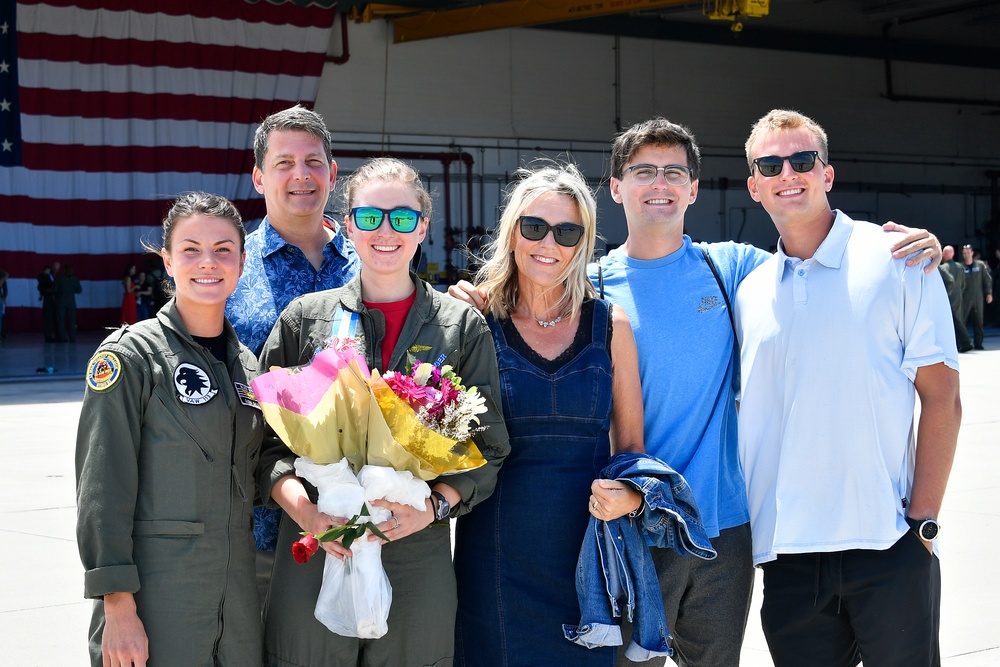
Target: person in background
571, 398
996, 279
67, 287
977, 292
47, 295
129, 314
954, 280
143, 296
168, 441
297, 249
397, 315
844, 487
156, 279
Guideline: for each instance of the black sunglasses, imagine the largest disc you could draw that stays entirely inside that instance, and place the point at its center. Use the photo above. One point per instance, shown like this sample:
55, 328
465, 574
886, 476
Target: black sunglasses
565, 234
801, 162
369, 218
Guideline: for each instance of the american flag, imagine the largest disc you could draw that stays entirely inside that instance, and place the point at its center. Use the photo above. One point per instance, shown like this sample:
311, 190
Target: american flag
110, 108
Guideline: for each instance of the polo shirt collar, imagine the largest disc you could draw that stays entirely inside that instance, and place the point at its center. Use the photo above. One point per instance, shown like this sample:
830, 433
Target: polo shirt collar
830, 252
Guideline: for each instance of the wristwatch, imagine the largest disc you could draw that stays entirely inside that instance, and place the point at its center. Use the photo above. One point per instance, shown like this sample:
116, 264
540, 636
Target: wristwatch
442, 508
926, 529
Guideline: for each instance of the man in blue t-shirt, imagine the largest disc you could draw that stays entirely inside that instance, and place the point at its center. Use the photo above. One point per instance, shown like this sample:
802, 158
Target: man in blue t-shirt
295, 250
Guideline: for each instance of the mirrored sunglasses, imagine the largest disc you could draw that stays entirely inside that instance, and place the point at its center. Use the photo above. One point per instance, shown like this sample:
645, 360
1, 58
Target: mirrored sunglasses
566, 234
369, 218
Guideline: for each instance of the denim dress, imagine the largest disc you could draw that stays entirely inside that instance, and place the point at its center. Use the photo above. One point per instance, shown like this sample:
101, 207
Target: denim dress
516, 552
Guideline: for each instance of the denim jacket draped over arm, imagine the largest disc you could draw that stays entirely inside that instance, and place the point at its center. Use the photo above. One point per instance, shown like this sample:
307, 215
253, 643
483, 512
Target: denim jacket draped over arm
615, 568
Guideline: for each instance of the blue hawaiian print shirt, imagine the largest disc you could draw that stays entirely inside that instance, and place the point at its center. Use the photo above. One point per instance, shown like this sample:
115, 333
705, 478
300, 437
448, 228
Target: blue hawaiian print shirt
275, 272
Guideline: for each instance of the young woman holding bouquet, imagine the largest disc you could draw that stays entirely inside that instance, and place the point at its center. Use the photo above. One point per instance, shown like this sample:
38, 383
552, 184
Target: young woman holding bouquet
396, 314
571, 397
166, 449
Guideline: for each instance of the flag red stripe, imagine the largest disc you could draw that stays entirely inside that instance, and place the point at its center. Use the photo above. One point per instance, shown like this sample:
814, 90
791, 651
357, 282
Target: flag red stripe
104, 51
264, 12
142, 159
102, 212
84, 104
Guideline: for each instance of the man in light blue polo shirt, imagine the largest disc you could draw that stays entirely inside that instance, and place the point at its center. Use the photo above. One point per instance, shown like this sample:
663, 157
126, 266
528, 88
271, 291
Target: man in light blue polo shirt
837, 338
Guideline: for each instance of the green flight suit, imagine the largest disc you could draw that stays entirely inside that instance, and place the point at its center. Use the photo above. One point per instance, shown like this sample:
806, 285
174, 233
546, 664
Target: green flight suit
954, 280
978, 283
166, 451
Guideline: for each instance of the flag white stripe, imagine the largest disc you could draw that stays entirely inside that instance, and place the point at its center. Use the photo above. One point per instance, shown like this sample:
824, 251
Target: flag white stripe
39, 184
164, 80
76, 240
134, 132
46, 19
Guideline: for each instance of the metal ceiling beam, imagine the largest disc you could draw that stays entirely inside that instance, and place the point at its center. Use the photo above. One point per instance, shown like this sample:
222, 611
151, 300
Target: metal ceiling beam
763, 37
511, 14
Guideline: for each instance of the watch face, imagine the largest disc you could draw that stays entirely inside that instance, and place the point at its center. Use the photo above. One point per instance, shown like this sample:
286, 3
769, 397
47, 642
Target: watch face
929, 530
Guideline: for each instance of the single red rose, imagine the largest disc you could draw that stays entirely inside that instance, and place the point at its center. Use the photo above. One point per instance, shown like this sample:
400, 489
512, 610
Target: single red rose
304, 548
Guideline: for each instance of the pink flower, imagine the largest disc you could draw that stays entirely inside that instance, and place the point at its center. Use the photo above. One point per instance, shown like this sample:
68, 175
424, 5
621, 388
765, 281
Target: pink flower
304, 548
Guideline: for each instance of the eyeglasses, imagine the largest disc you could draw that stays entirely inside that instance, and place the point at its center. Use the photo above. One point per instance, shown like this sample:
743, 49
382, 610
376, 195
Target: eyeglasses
565, 234
369, 218
801, 162
674, 174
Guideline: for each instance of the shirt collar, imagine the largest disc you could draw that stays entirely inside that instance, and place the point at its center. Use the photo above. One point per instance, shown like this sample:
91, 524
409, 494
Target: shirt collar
830, 252
273, 241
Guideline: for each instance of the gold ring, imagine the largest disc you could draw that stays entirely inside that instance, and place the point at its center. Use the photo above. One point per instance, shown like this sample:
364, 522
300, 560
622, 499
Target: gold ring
594, 505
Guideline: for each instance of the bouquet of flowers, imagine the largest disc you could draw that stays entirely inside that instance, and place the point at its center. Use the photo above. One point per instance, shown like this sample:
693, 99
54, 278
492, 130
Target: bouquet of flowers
362, 437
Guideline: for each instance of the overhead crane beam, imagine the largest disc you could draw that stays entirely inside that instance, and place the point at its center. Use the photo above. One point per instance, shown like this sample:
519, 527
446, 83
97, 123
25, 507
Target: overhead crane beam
511, 14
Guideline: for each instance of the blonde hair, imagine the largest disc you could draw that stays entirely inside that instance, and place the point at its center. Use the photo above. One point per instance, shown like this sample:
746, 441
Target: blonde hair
786, 119
498, 275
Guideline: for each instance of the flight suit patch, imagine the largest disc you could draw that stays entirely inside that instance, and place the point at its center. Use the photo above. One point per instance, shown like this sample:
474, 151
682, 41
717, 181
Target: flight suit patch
193, 385
247, 397
103, 371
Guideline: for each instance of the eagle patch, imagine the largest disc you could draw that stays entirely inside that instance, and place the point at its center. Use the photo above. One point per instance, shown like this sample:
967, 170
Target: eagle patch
193, 385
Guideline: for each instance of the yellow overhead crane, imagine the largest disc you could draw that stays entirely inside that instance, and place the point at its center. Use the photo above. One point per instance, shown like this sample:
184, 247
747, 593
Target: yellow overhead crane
410, 24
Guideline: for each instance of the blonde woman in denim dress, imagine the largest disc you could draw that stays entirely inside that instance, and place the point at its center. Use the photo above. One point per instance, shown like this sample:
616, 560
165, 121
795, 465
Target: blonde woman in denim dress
569, 380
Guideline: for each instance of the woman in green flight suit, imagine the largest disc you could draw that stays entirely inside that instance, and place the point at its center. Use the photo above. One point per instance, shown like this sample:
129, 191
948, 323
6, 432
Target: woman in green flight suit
167, 445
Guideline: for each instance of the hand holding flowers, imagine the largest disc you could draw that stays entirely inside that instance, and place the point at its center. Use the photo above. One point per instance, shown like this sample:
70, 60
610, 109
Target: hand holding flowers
395, 433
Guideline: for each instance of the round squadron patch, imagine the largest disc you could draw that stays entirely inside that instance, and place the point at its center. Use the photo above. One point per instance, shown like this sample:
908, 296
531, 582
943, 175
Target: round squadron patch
193, 385
103, 371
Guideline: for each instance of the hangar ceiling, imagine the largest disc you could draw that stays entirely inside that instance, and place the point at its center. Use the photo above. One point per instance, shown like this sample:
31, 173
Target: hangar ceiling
952, 32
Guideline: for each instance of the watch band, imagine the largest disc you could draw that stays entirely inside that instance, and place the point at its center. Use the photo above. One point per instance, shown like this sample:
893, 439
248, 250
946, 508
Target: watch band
442, 508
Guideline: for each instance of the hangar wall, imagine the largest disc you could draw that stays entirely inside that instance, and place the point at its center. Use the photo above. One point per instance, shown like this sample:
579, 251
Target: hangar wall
508, 96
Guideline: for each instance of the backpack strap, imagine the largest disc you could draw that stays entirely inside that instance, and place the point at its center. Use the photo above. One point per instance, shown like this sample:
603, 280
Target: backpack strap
732, 317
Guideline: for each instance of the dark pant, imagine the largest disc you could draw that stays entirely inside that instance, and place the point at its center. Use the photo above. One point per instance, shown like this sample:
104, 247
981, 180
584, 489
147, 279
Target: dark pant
835, 609
706, 602
974, 311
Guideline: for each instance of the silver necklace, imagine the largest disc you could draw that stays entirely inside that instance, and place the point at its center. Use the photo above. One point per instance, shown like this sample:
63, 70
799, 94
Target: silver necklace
550, 323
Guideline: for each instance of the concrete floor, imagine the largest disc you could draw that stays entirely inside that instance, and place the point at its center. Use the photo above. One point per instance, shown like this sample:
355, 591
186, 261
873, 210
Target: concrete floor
44, 618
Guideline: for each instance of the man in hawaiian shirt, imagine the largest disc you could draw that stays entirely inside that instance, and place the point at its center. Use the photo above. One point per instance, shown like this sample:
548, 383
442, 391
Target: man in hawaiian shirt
295, 250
